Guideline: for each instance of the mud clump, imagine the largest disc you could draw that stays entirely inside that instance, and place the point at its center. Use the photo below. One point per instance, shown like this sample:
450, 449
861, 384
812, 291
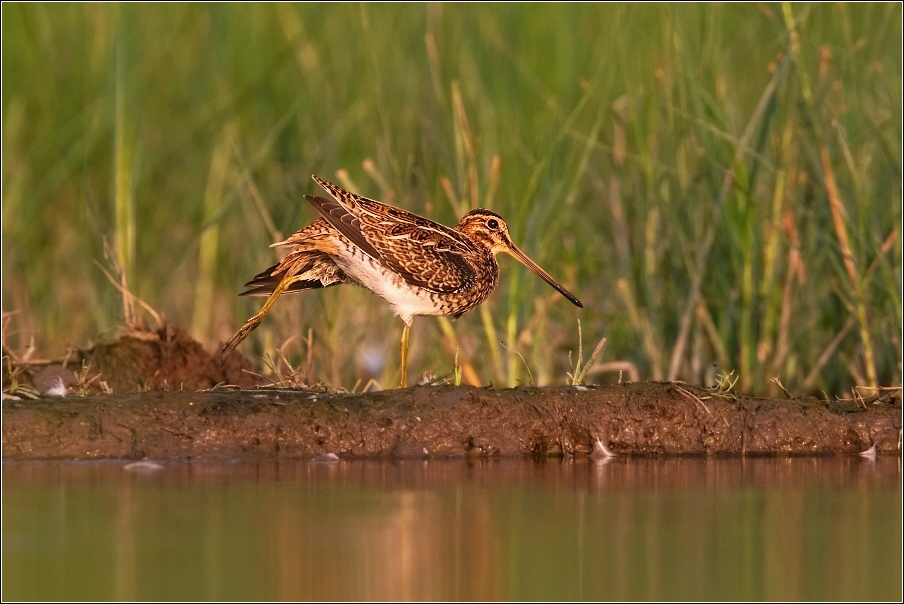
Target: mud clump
168, 358
164, 359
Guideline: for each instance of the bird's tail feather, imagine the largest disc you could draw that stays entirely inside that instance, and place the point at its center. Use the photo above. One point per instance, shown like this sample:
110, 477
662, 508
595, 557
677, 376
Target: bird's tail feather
314, 271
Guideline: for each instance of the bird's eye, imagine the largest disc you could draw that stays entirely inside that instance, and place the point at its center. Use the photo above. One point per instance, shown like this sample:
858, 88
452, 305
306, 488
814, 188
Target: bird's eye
492, 223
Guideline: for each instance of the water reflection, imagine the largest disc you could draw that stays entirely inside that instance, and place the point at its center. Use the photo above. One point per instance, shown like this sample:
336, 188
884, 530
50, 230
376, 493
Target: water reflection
815, 528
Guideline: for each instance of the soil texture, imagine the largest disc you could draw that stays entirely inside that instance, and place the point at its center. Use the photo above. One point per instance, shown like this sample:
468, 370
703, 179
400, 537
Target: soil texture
422, 422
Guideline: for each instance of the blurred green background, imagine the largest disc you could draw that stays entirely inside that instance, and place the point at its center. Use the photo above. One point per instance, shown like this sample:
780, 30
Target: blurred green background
717, 183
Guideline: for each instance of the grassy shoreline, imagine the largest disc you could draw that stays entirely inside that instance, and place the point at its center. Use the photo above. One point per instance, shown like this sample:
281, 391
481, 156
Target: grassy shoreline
718, 184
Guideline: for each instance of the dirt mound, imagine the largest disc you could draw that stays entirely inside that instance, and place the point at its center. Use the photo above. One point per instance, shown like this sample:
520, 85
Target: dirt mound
164, 359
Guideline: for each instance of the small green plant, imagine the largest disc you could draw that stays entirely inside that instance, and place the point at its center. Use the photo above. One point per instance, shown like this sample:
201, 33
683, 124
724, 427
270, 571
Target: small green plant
17, 387
530, 376
725, 382
279, 380
456, 370
578, 371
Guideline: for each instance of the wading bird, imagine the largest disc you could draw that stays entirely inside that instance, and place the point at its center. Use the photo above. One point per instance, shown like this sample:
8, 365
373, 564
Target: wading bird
418, 266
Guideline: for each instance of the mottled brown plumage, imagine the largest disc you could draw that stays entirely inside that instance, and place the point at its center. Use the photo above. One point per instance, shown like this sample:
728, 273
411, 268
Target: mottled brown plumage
419, 266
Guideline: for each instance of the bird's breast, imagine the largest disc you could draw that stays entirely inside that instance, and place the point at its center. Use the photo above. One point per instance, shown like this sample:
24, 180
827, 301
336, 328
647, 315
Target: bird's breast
408, 301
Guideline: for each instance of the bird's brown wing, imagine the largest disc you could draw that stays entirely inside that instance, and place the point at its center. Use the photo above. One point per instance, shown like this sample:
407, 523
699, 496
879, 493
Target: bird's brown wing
343, 221
422, 260
424, 253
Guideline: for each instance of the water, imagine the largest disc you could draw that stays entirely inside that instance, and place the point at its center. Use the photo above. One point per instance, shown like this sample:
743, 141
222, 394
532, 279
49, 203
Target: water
680, 529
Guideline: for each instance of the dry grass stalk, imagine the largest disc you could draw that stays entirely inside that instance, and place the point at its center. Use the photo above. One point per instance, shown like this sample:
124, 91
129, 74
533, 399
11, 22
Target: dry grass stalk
131, 299
619, 366
839, 218
775, 380
691, 396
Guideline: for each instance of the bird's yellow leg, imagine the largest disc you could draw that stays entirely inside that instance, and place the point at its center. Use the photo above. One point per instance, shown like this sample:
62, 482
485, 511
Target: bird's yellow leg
254, 321
405, 331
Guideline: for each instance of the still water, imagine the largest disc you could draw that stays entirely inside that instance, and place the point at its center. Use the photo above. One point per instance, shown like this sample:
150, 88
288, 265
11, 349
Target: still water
629, 529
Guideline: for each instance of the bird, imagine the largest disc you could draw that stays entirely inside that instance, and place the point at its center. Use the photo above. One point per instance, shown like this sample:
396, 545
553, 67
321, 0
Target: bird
418, 266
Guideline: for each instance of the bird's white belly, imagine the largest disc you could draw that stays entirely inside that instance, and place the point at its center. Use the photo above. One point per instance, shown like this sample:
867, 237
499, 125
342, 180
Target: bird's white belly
406, 301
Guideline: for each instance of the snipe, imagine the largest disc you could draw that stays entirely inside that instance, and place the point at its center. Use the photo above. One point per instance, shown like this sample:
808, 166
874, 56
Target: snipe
419, 266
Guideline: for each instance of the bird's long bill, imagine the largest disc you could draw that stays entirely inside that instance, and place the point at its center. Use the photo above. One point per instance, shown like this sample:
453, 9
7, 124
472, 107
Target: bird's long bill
523, 259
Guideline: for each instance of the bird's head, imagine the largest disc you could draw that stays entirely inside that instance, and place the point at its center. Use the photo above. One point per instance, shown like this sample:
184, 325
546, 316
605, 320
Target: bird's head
489, 230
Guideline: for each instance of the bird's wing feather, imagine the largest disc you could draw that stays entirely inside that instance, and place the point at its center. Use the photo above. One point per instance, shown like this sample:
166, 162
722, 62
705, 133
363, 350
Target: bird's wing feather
343, 221
424, 253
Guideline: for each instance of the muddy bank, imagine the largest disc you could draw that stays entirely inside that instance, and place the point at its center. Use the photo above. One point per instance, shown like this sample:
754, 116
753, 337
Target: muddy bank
442, 421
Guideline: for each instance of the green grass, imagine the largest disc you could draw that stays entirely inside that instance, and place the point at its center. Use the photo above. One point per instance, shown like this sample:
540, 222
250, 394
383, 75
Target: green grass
716, 183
